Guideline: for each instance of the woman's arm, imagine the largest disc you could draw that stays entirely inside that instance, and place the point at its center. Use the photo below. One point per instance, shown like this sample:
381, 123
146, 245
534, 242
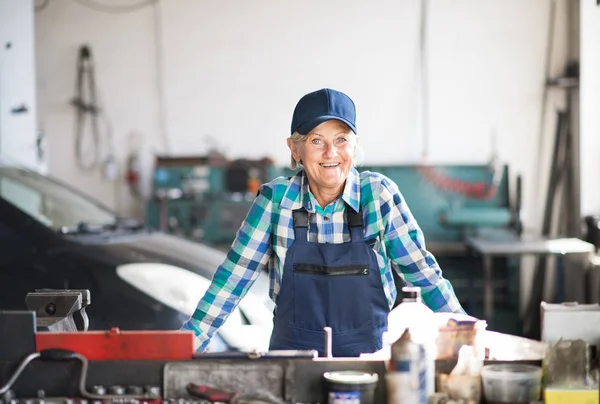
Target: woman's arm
247, 256
405, 246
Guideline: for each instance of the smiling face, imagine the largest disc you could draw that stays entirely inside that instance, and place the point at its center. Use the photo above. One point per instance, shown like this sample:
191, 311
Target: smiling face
327, 156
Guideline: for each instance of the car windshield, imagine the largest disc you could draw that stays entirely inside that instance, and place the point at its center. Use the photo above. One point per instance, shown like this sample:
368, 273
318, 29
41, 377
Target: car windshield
48, 201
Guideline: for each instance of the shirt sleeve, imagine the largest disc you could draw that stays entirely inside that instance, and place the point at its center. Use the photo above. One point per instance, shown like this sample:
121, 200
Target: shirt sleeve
247, 256
405, 246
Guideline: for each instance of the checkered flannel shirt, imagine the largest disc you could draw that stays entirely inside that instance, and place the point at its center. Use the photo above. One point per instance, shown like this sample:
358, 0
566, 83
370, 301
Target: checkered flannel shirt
267, 232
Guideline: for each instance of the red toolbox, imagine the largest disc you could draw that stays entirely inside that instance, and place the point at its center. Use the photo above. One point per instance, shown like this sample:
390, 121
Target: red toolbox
116, 344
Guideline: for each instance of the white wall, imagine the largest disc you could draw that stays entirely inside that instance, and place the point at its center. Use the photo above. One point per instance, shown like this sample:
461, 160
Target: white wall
17, 84
122, 46
233, 70
590, 102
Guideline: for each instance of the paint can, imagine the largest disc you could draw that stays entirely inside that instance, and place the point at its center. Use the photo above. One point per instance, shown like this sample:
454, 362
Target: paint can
351, 387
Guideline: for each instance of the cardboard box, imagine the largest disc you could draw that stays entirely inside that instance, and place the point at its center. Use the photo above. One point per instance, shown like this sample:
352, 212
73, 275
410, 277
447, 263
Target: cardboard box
571, 321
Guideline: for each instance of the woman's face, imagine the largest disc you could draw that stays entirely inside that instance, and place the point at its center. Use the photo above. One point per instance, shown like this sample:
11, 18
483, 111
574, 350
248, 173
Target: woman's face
327, 156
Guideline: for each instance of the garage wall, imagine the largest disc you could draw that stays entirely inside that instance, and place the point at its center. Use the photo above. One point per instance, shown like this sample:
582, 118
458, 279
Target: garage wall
230, 72
18, 135
123, 49
590, 100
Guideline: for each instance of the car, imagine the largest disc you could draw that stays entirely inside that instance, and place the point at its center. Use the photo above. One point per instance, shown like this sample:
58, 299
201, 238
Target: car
54, 237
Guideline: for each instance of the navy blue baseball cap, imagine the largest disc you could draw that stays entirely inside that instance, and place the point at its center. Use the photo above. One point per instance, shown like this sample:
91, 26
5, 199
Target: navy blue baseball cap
323, 105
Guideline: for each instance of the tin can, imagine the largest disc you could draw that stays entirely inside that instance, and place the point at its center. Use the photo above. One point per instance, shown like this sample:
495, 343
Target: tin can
350, 387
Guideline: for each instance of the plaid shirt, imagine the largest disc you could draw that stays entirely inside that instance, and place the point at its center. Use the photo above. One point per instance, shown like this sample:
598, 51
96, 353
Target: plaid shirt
267, 233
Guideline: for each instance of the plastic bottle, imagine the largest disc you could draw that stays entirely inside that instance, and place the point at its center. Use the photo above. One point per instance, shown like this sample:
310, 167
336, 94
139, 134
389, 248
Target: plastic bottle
413, 314
406, 377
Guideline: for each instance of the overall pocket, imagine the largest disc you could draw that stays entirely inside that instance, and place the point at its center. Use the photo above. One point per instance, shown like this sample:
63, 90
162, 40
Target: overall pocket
333, 296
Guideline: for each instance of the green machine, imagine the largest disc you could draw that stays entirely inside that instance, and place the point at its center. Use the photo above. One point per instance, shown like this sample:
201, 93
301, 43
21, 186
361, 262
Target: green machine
206, 198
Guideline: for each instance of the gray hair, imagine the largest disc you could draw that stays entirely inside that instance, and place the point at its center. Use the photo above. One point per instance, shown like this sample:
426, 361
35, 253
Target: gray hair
359, 153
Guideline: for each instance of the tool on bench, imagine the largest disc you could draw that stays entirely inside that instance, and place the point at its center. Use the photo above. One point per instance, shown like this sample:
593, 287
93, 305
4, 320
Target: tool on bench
221, 396
328, 342
60, 310
280, 354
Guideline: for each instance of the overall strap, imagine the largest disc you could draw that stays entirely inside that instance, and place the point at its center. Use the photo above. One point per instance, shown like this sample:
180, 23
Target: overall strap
355, 224
300, 217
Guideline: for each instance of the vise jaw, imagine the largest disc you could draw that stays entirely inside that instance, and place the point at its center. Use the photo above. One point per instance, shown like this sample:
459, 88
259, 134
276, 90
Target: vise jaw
60, 309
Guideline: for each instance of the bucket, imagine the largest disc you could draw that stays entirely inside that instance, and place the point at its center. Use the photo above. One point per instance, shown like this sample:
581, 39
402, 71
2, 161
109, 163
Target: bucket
511, 383
351, 387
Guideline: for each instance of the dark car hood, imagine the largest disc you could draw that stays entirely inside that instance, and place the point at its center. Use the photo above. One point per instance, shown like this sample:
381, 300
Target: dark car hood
167, 249
161, 248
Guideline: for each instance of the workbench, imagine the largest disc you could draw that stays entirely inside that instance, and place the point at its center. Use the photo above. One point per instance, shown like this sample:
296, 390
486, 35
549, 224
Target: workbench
33, 371
489, 248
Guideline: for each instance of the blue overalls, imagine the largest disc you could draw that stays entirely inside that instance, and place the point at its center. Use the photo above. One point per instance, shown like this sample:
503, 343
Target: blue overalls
330, 285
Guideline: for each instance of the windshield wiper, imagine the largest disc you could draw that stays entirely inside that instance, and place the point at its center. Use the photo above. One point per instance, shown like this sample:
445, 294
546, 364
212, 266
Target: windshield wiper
84, 228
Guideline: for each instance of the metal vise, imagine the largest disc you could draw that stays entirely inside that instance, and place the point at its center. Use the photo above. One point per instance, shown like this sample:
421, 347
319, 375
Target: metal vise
60, 309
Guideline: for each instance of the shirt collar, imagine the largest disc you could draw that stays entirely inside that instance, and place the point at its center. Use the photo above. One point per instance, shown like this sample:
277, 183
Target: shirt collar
351, 194
297, 194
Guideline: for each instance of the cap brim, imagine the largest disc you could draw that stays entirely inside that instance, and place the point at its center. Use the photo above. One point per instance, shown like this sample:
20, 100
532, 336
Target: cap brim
306, 127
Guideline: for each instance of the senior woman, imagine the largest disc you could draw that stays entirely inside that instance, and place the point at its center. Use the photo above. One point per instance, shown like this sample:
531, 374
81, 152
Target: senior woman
331, 237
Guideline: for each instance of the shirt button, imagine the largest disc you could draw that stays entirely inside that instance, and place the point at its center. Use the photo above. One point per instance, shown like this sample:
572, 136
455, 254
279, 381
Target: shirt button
326, 218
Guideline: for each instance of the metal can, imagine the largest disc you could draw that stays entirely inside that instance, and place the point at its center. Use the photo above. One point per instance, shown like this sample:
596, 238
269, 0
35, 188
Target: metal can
351, 387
